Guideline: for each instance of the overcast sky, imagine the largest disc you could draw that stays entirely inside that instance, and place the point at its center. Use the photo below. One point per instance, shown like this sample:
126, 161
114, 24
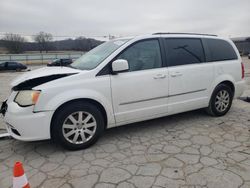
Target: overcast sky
125, 17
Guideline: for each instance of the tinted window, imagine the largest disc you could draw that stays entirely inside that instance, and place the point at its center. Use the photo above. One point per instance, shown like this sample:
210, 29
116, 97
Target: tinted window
12, 64
182, 51
143, 55
66, 60
220, 50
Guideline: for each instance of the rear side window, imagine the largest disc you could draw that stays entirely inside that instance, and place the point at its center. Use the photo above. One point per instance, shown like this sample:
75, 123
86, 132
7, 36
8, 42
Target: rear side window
183, 51
220, 50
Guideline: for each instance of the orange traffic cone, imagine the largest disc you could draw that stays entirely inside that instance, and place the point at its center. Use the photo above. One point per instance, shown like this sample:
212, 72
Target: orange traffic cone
19, 178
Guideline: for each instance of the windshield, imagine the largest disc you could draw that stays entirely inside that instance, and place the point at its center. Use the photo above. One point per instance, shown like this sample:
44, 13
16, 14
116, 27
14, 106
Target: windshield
94, 57
55, 60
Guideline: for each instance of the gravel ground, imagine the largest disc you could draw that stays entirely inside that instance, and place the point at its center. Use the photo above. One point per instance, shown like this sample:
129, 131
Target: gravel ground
186, 150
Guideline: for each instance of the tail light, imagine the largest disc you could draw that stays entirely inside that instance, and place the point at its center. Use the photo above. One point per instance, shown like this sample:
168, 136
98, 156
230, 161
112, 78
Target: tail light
242, 70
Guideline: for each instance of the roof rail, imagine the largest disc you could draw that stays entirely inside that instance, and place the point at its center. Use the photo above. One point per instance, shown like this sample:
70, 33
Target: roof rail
185, 34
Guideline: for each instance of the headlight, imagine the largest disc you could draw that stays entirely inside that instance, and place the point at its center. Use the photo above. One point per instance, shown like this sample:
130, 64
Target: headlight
27, 97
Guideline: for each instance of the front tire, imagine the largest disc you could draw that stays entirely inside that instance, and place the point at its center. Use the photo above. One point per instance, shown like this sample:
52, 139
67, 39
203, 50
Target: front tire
77, 125
221, 100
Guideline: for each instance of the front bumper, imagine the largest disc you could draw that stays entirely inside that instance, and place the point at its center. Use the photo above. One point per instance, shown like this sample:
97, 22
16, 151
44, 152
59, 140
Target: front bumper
24, 124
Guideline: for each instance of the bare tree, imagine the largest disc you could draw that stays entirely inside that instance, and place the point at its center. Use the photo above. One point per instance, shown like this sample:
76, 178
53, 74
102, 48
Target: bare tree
43, 39
13, 42
80, 43
85, 44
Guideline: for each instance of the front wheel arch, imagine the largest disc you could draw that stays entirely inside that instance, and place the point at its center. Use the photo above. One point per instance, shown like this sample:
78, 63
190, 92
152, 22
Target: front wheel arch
94, 102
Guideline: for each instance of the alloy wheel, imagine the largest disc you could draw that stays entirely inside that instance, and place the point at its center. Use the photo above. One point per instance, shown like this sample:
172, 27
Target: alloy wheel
79, 127
222, 100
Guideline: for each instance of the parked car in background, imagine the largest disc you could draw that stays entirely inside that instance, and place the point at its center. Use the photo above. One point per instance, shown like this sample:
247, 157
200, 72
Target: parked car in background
11, 65
249, 56
124, 81
60, 62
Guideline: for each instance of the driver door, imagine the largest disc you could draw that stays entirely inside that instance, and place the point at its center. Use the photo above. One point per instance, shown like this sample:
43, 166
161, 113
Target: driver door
141, 92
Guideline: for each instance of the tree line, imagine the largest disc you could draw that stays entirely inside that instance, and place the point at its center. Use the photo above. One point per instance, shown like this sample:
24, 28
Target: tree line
43, 42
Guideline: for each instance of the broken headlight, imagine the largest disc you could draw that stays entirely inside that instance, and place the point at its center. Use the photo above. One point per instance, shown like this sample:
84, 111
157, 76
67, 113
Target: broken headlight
27, 97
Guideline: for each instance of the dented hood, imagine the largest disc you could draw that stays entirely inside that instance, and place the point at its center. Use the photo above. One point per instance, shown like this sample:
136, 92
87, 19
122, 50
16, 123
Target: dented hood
43, 72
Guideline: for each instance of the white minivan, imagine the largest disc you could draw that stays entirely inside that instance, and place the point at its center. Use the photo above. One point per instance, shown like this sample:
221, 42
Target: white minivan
124, 81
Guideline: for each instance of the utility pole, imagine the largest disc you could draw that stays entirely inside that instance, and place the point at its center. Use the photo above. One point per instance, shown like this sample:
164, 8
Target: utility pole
111, 37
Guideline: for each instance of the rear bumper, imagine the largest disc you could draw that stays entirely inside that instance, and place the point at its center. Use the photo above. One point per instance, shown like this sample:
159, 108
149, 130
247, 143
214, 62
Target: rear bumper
23, 124
239, 88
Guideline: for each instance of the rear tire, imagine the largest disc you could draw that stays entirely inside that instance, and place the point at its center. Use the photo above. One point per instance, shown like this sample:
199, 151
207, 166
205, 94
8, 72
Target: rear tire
221, 100
77, 125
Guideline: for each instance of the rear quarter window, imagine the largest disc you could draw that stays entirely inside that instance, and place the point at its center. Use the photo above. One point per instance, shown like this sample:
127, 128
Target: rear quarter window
220, 50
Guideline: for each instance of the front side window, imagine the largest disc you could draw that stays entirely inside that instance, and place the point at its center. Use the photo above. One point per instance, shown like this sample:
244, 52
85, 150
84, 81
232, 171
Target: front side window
183, 51
143, 55
94, 57
220, 50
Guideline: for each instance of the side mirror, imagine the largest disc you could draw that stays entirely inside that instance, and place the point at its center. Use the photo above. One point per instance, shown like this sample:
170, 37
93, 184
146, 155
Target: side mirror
120, 65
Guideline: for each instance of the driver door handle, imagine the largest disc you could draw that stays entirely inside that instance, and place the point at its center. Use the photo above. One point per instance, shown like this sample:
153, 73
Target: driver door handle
160, 76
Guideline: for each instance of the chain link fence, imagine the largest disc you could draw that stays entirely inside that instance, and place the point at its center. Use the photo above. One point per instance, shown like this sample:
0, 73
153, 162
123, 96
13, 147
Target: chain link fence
38, 58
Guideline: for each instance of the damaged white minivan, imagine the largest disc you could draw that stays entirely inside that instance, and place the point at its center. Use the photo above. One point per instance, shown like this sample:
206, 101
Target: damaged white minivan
124, 81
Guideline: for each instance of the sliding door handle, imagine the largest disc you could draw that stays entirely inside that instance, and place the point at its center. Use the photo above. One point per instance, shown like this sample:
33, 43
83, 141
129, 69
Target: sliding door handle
175, 74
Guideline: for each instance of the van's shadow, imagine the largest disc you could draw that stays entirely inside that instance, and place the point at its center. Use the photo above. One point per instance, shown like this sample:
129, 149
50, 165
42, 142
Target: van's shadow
135, 129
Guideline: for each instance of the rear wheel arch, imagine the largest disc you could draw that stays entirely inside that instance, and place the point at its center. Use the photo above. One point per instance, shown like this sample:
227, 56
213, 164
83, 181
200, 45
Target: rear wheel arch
87, 100
225, 82
225, 86
229, 84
